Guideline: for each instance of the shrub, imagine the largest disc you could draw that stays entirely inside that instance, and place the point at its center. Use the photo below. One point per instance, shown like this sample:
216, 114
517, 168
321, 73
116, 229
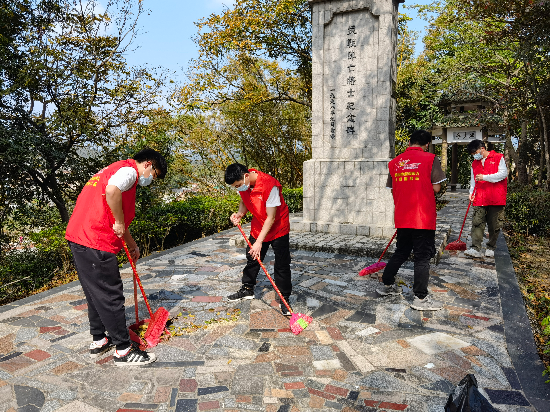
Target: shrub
294, 198
528, 211
27, 270
165, 226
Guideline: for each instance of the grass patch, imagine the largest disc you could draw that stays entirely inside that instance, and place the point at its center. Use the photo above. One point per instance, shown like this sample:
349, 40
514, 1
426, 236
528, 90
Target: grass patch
530, 258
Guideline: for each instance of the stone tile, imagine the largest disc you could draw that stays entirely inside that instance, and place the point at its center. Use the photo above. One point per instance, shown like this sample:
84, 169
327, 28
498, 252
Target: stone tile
322, 352
294, 354
268, 319
436, 342
473, 350
6, 343
15, 364
26, 395
207, 406
451, 373
188, 385
507, 397
207, 299
211, 390
186, 405
78, 406
37, 355
323, 310
66, 367
336, 317
335, 333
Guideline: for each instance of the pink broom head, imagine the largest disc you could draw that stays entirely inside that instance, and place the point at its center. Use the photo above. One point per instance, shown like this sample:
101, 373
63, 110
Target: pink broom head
375, 267
156, 327
298, 322
456, 245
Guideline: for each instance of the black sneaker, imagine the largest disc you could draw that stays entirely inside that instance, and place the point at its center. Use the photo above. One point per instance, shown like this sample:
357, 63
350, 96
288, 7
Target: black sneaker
135, 357
96, 350
243, 293
284, 309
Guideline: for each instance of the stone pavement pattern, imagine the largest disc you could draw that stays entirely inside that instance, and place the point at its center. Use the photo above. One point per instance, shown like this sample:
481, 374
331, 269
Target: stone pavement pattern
361, 353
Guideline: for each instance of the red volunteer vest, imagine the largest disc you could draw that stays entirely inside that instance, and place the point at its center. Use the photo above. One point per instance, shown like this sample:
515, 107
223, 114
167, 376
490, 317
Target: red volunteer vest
413, 194
254, 199
91, 223
487, 193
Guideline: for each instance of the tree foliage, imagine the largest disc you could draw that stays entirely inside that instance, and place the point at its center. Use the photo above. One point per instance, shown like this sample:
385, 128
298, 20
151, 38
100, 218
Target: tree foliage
65, 94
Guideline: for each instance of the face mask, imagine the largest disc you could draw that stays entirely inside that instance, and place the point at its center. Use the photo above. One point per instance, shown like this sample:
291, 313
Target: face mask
145, 181
478, 156
243, 187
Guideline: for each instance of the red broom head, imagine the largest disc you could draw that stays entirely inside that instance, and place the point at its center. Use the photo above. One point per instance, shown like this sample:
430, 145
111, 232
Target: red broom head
298, 322
156, 327
456, 245
375, 267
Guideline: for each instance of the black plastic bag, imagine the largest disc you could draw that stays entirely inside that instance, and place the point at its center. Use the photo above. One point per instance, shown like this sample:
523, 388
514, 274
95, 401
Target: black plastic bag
467, 398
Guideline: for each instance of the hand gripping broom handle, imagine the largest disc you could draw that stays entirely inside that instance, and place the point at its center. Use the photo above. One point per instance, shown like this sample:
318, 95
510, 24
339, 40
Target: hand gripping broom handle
389, 243
265, 270
466, 215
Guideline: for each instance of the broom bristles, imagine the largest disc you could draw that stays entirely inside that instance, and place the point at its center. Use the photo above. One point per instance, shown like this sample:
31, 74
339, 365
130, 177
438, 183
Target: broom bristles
156, 327
298, 322
375, 267
456, 245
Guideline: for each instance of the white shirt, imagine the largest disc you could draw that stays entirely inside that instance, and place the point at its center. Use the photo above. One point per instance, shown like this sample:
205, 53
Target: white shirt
124, 178
273, 200
501, 174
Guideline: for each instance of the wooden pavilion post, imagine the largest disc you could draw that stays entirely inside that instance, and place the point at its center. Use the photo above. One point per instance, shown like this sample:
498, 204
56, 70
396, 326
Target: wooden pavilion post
444, 150
454, 167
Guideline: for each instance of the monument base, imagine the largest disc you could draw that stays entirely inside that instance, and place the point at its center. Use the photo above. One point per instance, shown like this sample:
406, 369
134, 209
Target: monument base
347, 197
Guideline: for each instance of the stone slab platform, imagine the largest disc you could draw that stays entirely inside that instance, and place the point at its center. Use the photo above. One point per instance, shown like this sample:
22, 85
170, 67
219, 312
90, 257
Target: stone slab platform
366, 246
361, 353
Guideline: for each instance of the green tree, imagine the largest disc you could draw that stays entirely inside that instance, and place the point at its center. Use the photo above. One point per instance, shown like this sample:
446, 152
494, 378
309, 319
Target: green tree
67, 96
273, 29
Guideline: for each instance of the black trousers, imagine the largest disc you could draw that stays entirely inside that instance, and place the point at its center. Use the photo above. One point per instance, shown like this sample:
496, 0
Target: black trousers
282, 273
100, 279
422, 243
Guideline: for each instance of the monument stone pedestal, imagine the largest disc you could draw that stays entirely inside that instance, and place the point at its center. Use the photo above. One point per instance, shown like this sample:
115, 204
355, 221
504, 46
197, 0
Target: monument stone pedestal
353, 118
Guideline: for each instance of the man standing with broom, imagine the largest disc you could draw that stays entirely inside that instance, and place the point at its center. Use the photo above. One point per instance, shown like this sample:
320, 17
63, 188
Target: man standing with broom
261, 195
95, 239
414, 178
488, 188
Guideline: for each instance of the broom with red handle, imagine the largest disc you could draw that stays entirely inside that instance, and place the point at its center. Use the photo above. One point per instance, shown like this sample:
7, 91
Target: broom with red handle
376, 267
458, 244
157, 322
298, 321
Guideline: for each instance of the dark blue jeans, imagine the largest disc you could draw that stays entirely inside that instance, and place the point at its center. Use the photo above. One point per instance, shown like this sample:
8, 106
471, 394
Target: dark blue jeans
422, 243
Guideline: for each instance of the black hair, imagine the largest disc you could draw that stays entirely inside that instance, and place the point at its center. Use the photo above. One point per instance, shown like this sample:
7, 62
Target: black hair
159, 162
235, 172
421, 137
474, 146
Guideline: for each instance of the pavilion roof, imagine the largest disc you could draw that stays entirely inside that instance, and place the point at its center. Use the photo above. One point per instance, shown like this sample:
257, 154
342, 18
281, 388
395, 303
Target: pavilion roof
472, 119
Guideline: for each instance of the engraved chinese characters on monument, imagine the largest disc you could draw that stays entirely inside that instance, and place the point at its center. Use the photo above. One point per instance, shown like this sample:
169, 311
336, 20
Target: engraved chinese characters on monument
353, 118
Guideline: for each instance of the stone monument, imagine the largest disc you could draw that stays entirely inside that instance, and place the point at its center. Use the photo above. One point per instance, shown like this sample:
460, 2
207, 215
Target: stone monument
353, 118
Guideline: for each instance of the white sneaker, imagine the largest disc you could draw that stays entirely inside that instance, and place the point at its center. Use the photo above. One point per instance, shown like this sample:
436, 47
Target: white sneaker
426, 304
489, 253
472, 252
389, 290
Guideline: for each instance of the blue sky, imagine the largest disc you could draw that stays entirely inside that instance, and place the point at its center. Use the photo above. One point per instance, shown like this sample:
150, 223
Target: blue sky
166, 32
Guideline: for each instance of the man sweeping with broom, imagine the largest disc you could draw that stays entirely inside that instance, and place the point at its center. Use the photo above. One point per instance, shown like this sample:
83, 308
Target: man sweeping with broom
488, 188
261, 195
414, 178
95, 238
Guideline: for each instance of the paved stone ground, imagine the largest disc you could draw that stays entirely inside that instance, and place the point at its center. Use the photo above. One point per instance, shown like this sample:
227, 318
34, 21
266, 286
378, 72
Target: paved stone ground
361, 353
